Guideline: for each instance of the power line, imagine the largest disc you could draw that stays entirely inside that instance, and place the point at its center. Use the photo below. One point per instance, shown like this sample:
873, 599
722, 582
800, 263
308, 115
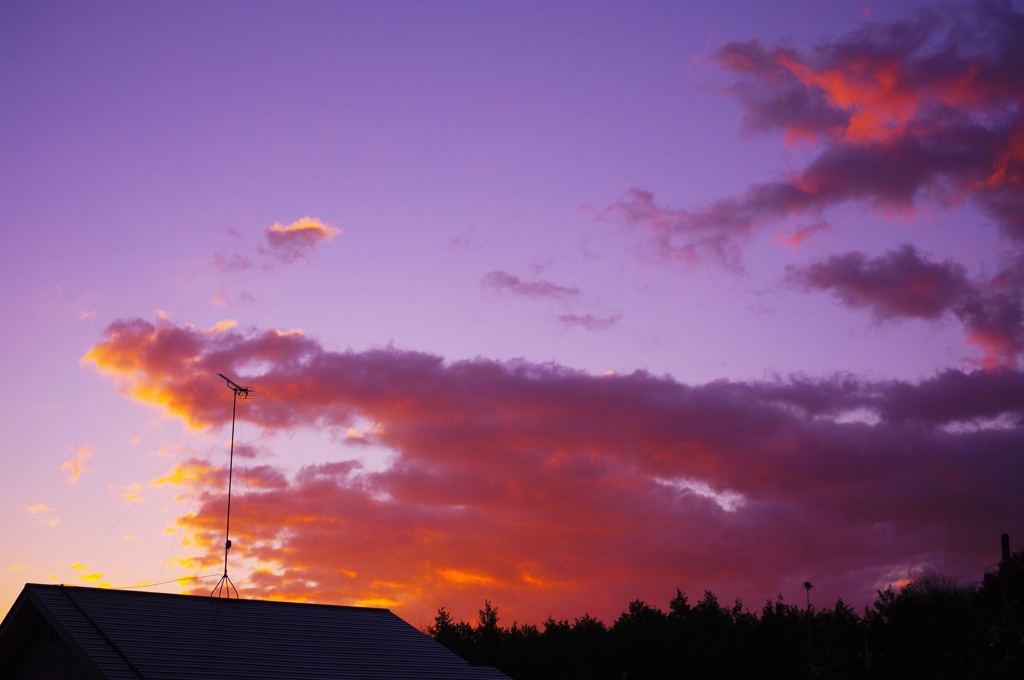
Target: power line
163, 583
138, 499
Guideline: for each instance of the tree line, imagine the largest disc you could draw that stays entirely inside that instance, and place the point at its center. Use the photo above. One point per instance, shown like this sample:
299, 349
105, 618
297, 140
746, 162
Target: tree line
934, 627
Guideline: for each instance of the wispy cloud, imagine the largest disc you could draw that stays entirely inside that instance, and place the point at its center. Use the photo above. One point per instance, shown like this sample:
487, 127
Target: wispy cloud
540, 288
131, 492
44, 514
800, 235
521, 474
220, 298
234, 262
590, 321
76, 466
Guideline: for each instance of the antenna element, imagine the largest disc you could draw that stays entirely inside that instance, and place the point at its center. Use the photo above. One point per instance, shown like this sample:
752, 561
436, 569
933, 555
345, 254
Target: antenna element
225, 587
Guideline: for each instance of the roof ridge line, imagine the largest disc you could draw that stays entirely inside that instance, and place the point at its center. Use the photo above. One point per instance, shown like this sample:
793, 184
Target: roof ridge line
67, 593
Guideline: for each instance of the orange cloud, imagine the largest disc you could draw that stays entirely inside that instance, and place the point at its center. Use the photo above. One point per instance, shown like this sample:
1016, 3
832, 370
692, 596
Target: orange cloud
44, 514
147, 369
282, 244
298, 236
131, 492
465, 577
874, 92
504, 477
76, 466
189, 472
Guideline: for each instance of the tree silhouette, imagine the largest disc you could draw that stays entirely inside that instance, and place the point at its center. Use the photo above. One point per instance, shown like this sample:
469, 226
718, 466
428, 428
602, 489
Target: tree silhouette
639, 637
933, 627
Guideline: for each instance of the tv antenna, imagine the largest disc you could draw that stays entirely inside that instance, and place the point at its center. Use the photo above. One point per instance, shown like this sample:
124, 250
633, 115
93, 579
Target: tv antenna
225, 587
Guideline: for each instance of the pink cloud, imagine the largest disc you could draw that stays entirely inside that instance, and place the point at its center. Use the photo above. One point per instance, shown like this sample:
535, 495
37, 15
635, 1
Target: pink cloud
800, 235
918, 111
282, 244
684, 235
553, 491
286, 243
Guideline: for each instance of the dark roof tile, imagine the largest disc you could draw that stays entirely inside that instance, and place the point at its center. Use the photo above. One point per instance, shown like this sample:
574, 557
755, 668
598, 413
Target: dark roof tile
132, 634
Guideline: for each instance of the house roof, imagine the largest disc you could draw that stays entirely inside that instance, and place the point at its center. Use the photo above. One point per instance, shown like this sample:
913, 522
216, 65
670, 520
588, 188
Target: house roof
134, 634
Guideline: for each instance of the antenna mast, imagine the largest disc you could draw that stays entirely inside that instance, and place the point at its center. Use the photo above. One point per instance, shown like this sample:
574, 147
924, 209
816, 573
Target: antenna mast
225, 587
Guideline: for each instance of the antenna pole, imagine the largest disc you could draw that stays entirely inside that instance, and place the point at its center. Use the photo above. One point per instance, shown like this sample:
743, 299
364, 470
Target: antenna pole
225, 587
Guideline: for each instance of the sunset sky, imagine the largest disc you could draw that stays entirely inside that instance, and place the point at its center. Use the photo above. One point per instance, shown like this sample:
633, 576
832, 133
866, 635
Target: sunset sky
558, 305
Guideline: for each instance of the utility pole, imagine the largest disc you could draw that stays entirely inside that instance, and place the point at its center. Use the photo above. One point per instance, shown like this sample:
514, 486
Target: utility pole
810, 654
1010, 622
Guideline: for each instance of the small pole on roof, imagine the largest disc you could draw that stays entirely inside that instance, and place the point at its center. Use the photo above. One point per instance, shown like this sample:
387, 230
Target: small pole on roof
225, 587
810, 655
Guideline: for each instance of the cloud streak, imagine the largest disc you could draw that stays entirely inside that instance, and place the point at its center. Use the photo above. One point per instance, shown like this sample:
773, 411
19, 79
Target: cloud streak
540, 487
503, 281
589, 321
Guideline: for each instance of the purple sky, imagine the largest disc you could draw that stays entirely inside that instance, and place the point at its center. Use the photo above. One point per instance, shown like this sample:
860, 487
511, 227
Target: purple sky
554, 304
